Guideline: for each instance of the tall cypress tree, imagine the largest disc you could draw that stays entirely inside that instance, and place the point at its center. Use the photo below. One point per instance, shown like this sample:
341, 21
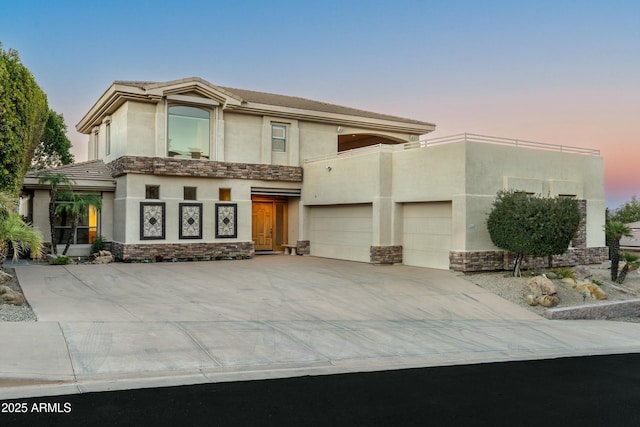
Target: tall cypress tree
23, 115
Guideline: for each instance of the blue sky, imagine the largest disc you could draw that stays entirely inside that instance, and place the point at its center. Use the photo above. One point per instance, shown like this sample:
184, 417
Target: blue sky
561, 72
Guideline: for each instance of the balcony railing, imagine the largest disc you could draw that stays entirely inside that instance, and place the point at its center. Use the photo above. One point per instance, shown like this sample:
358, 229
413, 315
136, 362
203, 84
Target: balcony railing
463, 137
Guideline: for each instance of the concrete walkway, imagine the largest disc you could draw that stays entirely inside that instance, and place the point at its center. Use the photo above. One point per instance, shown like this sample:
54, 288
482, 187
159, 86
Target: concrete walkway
119, 326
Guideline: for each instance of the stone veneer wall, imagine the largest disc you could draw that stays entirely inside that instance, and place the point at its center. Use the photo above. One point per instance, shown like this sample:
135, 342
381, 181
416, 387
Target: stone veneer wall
303, 247
385, 254
203, 169
580, 241
182, 251
468, 261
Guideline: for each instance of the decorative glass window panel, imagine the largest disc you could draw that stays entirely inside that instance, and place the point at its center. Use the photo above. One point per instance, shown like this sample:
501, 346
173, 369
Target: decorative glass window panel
191, 220
152, 221
226, 220
188, 132
278, 138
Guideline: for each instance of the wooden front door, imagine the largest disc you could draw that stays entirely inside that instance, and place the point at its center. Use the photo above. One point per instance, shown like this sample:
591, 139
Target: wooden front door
269, 224
262, 226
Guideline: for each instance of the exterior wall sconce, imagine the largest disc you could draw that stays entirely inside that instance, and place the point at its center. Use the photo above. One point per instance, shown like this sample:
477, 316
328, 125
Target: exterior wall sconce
329, 168
339, 130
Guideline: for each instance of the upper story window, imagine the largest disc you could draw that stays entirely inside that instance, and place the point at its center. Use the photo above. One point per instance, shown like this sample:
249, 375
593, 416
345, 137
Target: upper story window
96, 135
188, 132
107, 138
278, 138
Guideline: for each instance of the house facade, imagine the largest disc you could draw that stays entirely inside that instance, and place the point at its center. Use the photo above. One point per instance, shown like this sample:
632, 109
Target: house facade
196, 170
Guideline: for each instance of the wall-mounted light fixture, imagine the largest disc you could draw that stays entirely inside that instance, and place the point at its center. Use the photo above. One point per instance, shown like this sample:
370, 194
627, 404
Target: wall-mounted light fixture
339, 129
329, 168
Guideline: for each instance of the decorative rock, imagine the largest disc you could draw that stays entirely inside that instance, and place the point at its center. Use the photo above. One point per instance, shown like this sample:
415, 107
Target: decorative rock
543, 300
540, 285
591, 289
548, 300
9, 296
5, 277
582, 272
605, 265
102, 257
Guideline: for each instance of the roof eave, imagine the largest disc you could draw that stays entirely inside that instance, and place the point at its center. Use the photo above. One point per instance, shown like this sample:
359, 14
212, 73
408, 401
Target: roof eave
411, 127
110, 101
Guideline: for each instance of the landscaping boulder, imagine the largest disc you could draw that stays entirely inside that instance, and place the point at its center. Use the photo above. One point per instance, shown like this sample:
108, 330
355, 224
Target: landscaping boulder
582, 272
541, 285
543, 292
543, 300
102, 257
586, 287
5, 277
9, 296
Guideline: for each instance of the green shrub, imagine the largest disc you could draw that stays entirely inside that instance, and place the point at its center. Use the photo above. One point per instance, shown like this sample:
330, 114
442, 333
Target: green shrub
61, 260
98, 244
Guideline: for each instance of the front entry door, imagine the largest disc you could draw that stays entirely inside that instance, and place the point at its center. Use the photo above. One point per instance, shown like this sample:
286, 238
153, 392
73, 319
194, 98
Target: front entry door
269, 224
262, 225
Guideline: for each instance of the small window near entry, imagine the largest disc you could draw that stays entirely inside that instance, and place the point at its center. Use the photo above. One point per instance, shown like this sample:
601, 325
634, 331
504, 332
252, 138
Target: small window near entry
278, 138
152, 192
189, 193
224, 194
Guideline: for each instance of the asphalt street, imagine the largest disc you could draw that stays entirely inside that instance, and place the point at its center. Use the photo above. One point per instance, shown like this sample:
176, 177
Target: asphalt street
574, 391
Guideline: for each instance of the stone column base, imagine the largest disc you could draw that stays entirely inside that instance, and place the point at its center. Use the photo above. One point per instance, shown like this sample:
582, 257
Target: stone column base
303, 247
386, 254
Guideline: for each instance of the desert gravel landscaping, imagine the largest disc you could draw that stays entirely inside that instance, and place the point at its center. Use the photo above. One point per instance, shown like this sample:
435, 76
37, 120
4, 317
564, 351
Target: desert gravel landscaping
515, 289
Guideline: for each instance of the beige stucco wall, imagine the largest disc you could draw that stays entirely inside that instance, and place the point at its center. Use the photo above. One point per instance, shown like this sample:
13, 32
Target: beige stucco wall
465, 173
40, 214
491, 168
40, 220
140, 129
131, 191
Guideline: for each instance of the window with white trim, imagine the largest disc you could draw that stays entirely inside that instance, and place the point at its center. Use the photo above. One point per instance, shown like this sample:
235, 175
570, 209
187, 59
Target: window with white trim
96, 135
107, 138
278, 138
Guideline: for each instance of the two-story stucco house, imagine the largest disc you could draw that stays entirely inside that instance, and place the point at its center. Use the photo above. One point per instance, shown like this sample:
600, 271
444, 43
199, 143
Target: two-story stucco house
188, 169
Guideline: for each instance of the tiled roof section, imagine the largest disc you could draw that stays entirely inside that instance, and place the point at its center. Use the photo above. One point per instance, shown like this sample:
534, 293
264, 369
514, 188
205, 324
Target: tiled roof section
308, 104
92, 170
286, 101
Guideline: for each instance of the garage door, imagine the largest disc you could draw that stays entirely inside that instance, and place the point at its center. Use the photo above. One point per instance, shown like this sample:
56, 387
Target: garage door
342, 232
426, 234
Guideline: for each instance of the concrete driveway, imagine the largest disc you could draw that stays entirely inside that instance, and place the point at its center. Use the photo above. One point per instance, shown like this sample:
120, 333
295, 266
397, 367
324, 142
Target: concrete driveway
114, 326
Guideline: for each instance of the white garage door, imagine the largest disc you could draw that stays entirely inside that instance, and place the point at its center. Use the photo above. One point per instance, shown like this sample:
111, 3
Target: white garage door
342, 232
426, 234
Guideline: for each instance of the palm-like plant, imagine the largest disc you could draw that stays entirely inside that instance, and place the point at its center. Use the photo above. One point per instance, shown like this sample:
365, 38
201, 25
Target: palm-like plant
616, 230
631, 262
15, 232
76, 205
59, 183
